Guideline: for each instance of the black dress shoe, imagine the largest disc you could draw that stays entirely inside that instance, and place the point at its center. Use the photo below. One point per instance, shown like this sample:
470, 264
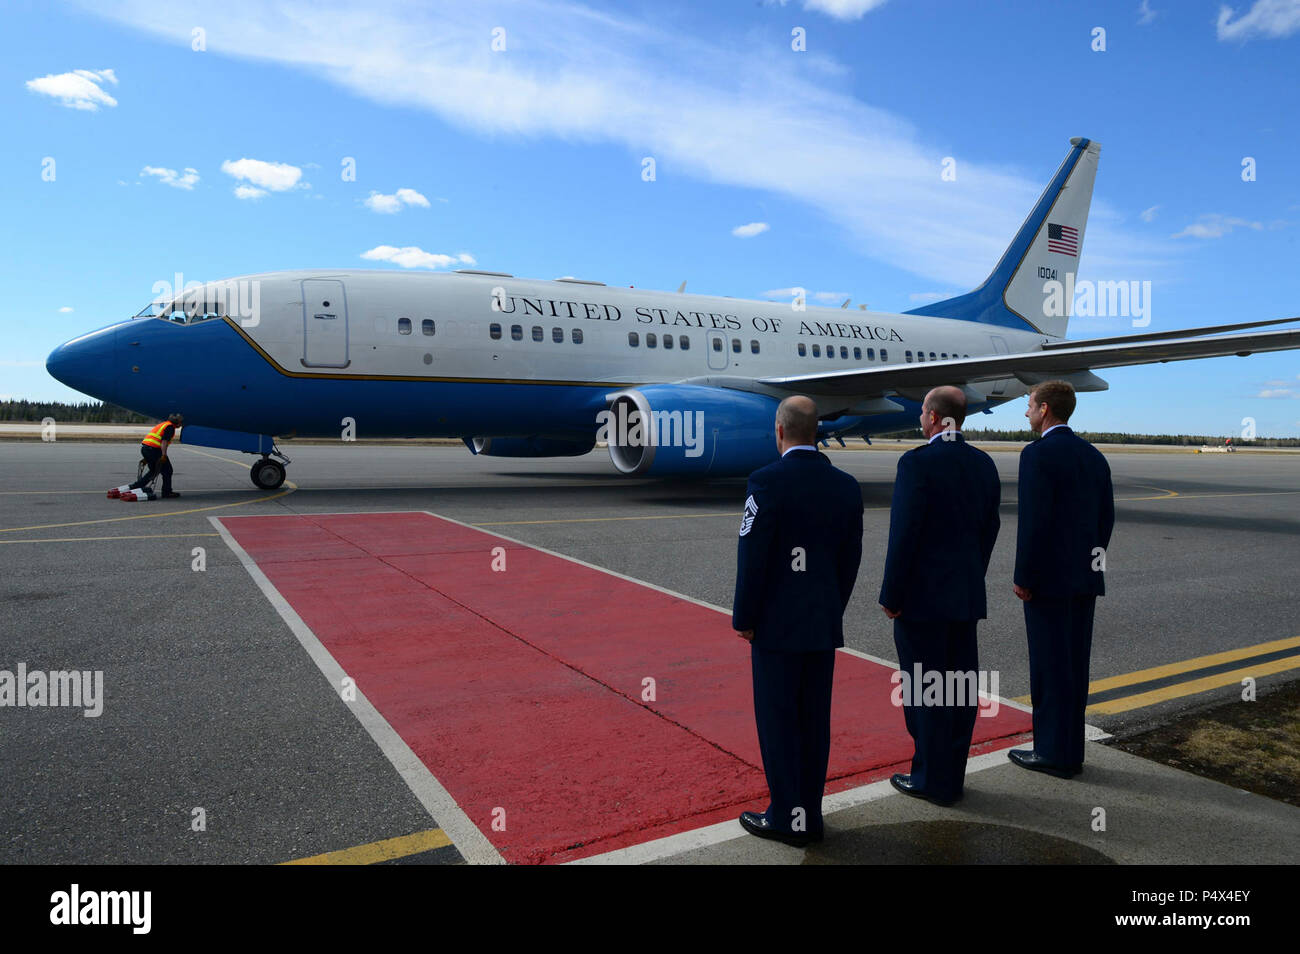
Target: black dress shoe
904, 784
1028, 758
757, 824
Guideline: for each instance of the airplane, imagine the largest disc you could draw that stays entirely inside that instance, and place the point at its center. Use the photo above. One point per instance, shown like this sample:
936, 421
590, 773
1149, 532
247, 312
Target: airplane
677, 384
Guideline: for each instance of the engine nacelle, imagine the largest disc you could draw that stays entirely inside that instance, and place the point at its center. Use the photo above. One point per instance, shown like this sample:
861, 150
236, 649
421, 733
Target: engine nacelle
683, 430
528, 446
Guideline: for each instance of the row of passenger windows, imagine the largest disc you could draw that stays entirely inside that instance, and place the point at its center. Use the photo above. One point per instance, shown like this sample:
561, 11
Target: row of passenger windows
942, 356
652, 340
404, 326
538, 332
844, 352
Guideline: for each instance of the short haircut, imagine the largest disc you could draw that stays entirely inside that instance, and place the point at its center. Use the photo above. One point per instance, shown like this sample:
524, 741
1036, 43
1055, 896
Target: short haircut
1058, 396
798, 416
176, 418
948, 403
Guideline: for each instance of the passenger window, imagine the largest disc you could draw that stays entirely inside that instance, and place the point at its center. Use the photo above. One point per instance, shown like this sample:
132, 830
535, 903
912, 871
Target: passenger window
403, 326
735, 345
651, 339
803, 350
844, 352
633, 339
557, 335
668, 342
426, 326
717, 344
576, 335
884, 355
909, 357
857, 354
684, 342
932, 357
920, 356
537, 333
871, 354
494, 330
753, 346
517, 332
817, 351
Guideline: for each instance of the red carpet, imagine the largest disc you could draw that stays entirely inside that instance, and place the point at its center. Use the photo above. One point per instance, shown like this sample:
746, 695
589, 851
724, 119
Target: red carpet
522, 690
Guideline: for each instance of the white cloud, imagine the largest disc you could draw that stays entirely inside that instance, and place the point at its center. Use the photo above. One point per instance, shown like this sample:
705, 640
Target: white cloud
65, 310
267, 176
843, 9
583, 77
1275, 18
1279, 393
172, 178
1145, 13
750, 230
1149, 215
926, 297
249, 192
80, 89
388, 204
411, 256
1216, 226
830, 296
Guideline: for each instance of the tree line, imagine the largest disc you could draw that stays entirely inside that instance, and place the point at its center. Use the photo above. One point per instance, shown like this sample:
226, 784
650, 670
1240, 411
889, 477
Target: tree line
85, 412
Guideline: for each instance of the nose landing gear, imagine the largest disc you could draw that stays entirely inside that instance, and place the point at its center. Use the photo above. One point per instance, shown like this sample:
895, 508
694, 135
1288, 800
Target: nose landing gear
268, 473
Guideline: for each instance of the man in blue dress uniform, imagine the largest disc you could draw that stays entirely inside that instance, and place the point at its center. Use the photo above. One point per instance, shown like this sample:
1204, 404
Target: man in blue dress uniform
798, 555
1065, 518
942, 526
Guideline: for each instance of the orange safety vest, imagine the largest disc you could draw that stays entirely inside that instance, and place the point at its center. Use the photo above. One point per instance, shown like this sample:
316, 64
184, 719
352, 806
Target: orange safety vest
154, 438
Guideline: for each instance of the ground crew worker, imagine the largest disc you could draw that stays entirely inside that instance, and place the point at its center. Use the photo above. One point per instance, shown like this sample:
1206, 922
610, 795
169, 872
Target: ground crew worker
154, 451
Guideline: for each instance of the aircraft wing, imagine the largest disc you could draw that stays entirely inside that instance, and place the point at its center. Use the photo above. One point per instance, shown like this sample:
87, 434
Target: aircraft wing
1059, 359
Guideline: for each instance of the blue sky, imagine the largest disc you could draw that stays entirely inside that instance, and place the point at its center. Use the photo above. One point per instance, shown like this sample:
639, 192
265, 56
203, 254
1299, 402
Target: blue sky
529, 159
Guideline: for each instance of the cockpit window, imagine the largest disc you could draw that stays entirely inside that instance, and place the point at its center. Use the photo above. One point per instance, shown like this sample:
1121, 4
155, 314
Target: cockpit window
152, 310
182, 311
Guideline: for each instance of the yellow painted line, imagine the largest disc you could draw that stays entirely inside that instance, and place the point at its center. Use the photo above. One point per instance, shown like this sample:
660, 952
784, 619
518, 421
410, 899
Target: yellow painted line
377, 851
1164, 494
172, 513
99, 492
1178, 690
130, 536
151, 516
1245, 493
1187, 665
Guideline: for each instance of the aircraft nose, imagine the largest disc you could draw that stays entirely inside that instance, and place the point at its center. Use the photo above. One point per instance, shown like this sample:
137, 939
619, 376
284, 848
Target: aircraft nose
85, 364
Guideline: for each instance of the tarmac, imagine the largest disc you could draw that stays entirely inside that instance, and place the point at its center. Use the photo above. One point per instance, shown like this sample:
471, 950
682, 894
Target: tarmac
215, 702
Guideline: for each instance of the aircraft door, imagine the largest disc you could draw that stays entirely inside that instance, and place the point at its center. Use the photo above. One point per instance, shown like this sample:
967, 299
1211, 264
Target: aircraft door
324, 323
999, 347
717, 346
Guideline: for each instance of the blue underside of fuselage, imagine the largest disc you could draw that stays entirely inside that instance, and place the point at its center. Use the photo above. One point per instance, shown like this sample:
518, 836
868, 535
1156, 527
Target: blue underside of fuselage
157, 368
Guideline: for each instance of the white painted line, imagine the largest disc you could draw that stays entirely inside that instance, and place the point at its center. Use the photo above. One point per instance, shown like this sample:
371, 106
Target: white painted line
673, 845
590, 566
464, 834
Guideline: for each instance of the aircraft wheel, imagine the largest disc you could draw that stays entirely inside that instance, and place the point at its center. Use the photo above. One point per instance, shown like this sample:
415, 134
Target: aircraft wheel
267, 474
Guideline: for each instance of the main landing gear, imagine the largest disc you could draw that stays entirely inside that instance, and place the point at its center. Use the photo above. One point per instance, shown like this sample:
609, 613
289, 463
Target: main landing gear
268, 473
